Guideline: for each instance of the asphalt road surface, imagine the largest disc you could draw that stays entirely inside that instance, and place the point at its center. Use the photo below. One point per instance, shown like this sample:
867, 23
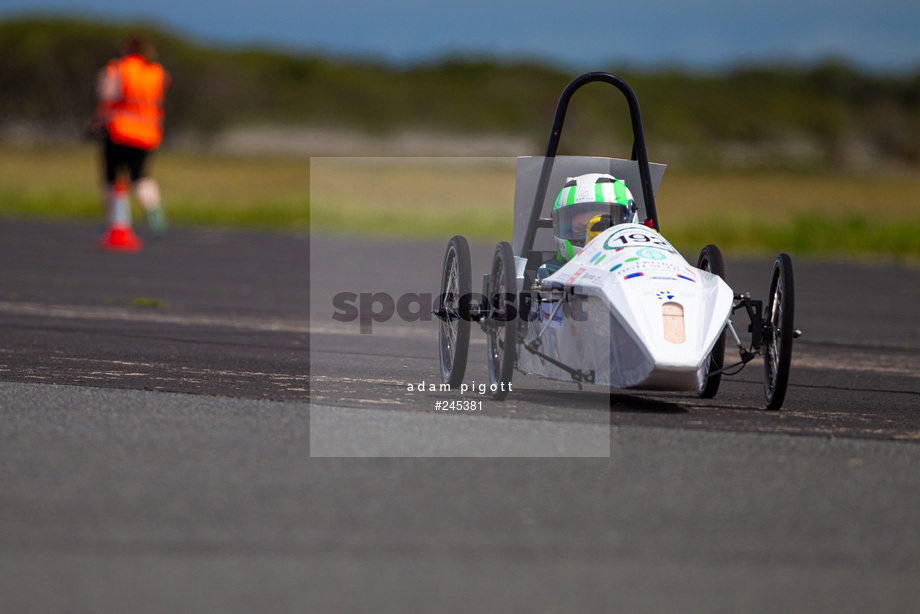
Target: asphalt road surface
176, 434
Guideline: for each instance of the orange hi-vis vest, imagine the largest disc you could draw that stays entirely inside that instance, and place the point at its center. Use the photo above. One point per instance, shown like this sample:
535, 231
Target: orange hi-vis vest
135, 118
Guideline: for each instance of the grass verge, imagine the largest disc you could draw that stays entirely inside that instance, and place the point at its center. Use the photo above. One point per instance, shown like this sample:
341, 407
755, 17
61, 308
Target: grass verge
832, 214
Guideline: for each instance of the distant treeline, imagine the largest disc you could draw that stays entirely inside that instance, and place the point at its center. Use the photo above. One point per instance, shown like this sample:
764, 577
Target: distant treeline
829, 114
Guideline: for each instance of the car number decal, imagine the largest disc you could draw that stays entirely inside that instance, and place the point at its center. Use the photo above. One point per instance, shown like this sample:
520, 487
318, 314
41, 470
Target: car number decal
634, 237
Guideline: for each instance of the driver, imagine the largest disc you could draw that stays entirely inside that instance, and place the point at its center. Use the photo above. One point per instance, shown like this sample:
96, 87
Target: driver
581, 200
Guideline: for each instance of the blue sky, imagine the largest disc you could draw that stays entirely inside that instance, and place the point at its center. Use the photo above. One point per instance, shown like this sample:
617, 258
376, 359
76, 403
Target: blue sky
579, 34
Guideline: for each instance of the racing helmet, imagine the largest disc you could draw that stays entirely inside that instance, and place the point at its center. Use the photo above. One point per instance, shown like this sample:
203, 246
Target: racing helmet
584, 198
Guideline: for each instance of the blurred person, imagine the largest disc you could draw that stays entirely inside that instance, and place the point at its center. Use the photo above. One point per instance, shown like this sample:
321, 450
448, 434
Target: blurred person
129, 122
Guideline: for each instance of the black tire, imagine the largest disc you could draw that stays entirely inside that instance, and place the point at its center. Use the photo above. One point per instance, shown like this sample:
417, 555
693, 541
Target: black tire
502, 323
454, 304
779, 330
711, 261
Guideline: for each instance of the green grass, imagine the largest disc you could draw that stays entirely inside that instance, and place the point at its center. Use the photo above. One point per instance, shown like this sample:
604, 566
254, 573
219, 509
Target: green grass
413, 197
824, 214
832, 214
814, 234
829, 214
260, 192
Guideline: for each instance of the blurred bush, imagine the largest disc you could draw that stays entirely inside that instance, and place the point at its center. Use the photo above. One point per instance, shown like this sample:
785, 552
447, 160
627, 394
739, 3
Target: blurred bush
829, 115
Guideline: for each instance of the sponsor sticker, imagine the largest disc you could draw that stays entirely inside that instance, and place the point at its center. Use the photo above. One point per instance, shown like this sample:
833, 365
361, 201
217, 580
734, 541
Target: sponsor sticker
595, 277
577, 274
651, 254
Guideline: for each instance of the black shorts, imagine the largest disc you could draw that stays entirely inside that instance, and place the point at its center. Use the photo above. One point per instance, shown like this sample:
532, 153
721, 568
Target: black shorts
118, 157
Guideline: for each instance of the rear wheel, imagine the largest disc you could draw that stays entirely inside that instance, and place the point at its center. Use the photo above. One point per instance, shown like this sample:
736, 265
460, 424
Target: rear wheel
454, 311
712, 262
779, 332
501, 325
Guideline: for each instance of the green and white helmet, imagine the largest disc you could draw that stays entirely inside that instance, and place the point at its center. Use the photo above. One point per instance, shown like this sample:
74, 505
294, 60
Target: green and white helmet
583, 198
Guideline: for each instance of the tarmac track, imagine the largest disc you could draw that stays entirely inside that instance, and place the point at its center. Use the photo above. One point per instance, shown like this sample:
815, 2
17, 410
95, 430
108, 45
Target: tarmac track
222, 313
114, 489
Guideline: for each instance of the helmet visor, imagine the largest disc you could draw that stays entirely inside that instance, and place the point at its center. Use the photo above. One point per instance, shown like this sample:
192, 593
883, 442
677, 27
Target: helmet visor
571, 221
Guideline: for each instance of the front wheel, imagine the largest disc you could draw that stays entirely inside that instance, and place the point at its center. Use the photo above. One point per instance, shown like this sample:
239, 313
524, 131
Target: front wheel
453, 311
501, 324
711, 261
779, 332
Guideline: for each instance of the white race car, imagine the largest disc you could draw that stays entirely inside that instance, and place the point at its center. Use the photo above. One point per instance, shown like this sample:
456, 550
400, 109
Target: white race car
627, 311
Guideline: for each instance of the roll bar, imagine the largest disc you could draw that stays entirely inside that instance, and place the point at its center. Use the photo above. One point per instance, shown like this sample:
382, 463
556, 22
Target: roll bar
639, 153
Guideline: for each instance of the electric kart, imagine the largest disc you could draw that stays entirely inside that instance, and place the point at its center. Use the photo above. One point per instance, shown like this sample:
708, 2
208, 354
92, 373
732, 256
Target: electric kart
628, 311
